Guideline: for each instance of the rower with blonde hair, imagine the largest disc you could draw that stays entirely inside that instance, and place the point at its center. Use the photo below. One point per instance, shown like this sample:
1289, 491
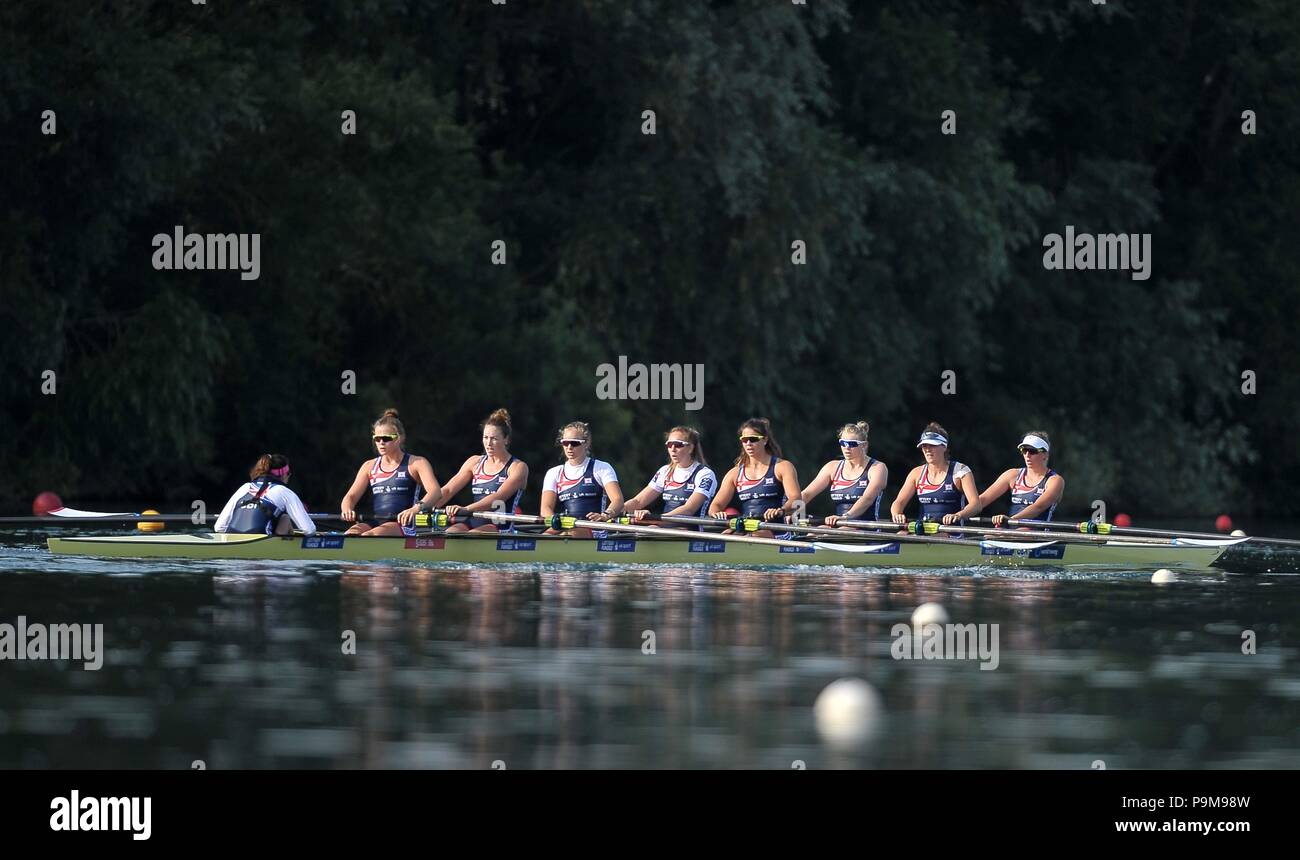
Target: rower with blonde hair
582, 486
856, 480
394, 479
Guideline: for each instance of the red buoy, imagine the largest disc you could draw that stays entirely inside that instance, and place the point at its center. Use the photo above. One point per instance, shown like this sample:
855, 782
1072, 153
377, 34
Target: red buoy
1223, 523
1123, 520
46, 502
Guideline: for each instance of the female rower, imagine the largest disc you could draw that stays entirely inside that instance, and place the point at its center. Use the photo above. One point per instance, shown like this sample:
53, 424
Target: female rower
766, 486
261, 505
856, 481
394, 479
1029, 501
495, 478
940, 484
686, 483
581, 486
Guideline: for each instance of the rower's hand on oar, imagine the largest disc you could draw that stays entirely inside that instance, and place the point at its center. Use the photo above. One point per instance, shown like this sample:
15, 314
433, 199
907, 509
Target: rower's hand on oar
348, 515
998, 520
950, 519
598, 516
451, 511
830, 521
640, 514
719, 515
901, 519
773, 513
407, 517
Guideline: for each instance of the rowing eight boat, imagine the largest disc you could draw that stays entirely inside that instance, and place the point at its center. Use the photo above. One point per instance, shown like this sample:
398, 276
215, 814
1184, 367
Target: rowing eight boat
545, 549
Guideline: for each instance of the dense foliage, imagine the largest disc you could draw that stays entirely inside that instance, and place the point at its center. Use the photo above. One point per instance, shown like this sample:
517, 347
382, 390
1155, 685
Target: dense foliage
775, 123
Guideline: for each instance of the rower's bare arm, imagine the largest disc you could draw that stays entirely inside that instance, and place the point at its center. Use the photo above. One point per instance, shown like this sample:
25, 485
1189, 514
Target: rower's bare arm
460, 480
998, 488
904, 497
819, 483
641, 500
785, 472
726, 491
1051, 495
348, 507
615, 494
966, 483
549, 498
423, 470
694, 503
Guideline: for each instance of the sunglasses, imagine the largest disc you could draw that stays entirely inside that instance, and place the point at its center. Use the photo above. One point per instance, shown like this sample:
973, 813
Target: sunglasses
571, 443
675, 443
377, 439
752, 439
1025, 449
851, 443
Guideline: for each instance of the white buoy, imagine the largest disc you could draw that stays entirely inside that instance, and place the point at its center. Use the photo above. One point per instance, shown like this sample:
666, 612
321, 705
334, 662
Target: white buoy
1164, 574
1238, 533
929, 613
848, 712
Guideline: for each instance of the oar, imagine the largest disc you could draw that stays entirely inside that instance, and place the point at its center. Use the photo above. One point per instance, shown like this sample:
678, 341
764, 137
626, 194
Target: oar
1090, 527
752, 525
914, 528
1002, 534
564, 523
72, 516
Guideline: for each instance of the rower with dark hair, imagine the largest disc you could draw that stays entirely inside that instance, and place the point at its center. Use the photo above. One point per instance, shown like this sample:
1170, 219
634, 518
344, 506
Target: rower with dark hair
766, 486
944, 488
1036, 501
261, 505
496, 478
686, 483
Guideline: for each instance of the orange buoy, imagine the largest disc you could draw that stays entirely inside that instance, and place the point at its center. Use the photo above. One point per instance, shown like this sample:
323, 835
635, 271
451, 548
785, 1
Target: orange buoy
1123, 520
150, 527
46, 502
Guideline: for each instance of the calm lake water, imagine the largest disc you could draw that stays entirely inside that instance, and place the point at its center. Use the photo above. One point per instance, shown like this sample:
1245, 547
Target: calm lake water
241, 665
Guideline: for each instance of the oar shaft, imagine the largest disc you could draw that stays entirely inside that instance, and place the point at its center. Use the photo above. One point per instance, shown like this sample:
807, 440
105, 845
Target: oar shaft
1112, 530
741, 524
1004, 533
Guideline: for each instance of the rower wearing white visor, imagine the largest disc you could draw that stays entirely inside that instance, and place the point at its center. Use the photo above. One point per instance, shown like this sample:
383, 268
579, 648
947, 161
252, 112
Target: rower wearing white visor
686, 483
265, 505
1035, 489
944, 488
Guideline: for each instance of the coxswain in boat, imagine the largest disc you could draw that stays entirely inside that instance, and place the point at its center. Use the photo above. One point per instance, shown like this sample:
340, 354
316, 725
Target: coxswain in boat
686, 483
581, 486
496, 478
265, 505
944, 488
395, 480
765, 486
1035, 489
856, 480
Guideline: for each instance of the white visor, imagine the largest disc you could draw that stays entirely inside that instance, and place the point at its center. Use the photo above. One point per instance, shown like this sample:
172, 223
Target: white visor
1035, 442
932, 438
